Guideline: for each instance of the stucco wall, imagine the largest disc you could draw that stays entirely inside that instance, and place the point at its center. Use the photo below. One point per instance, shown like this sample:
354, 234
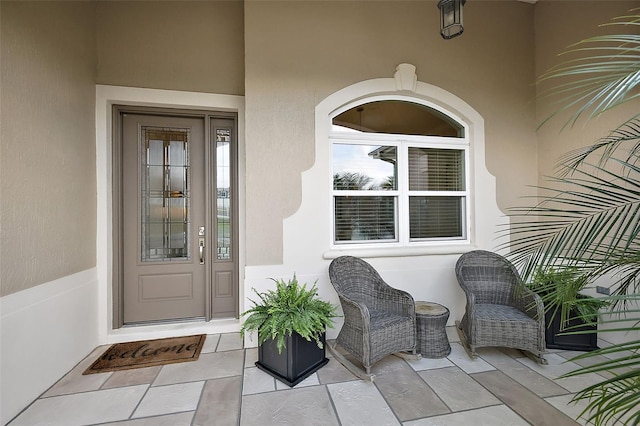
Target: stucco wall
181, 45
298, 53
560, 24
47, 162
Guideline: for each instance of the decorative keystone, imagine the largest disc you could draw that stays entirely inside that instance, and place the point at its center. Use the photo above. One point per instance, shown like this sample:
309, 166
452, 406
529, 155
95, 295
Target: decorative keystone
406, 78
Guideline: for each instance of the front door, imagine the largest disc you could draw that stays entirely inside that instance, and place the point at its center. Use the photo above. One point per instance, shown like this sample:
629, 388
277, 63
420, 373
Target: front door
177, 232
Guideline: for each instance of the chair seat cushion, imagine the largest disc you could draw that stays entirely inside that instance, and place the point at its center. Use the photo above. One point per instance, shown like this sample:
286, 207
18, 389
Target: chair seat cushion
502, 325
491, 312
382, 319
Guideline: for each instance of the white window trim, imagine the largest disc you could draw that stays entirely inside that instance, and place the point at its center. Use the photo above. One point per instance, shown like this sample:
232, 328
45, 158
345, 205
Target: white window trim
402, 142
482, 209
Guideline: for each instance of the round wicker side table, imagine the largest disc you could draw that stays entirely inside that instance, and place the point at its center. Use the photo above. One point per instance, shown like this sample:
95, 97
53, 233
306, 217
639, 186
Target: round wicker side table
431, 320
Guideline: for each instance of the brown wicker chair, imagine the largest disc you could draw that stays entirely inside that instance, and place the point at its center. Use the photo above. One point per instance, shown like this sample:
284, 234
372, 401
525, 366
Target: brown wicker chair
378, 319
501, 310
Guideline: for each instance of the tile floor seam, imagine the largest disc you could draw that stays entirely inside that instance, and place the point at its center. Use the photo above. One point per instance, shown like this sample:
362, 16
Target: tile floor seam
146, 417
333, 405
285, 390
599, 373
432, 389
387, 401
525, 385
200, 398
189, 381
468, 410
241, 387
139, 402
500, 401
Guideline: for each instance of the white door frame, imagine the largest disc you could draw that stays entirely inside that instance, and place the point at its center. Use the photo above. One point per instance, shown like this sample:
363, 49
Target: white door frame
106, 97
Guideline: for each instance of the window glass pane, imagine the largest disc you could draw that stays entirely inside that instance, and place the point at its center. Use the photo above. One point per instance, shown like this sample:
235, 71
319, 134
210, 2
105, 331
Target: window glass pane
364, 167
400, 118
436, 217
364, 218
433, 169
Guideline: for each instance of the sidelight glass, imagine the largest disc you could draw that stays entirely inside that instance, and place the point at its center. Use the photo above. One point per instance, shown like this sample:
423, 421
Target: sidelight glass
223, 191
165, 198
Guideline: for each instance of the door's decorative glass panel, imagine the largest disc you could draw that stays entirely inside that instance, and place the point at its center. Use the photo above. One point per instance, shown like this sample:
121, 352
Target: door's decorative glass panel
165, 197
223, 191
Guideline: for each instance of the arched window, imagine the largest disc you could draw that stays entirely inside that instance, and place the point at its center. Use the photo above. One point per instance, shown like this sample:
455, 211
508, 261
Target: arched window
400, 173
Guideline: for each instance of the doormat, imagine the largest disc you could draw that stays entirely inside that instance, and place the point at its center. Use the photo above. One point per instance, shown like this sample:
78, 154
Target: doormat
148, 353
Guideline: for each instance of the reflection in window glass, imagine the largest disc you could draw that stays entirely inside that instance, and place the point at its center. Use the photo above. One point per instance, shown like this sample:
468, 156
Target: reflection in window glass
364, 167
433, 169
364, 218
435, 217
397, 117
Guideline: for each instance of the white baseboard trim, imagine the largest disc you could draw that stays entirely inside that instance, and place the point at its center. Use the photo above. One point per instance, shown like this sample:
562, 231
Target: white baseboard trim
45, 331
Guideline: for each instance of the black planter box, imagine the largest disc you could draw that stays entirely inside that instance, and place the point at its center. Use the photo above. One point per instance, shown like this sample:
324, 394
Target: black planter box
298, 360
574, 342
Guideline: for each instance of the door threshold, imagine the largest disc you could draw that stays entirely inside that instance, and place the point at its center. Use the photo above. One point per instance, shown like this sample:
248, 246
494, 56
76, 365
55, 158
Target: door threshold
158, 330
163, 322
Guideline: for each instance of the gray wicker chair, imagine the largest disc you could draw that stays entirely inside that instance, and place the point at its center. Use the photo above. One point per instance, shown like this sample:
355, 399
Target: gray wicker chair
378, 319
501, 310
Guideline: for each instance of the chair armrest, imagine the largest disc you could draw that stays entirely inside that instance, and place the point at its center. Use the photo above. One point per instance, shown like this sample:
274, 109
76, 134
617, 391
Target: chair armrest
356, 313
529, 302
395, 301
470, 307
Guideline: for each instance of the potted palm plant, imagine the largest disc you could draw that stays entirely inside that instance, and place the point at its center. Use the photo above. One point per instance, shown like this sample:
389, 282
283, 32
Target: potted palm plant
589, 217
570, 316
291, 321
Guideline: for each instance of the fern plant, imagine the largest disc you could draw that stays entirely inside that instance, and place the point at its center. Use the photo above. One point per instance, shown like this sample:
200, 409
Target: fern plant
289, 308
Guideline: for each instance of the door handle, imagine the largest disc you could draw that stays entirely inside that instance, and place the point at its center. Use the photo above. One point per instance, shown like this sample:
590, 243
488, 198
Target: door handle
201, 250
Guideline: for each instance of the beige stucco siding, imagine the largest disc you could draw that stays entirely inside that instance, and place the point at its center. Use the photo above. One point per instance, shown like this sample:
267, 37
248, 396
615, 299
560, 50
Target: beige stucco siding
47, 160
180, 45
298, 53
560, 24
295, 54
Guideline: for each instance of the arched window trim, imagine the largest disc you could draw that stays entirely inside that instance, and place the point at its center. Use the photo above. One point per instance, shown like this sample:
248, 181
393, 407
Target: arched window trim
401, 195
483, 210
404, 98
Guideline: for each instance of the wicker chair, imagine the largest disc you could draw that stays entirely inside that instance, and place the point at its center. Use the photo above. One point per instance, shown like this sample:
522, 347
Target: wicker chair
500, 310
378, 319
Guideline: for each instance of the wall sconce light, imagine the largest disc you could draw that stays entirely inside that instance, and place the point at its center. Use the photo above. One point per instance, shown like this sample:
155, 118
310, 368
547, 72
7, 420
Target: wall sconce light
451, 18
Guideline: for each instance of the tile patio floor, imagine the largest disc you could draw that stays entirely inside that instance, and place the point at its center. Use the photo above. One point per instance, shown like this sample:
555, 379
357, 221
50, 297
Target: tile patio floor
223, 387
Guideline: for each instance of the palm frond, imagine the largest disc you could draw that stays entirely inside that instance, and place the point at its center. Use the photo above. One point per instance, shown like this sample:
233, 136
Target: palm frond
626, 134
606, 79
589, 218
594, 219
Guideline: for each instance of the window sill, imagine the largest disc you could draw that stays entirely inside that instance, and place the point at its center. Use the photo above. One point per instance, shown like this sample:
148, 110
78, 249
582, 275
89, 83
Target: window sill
398, 251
